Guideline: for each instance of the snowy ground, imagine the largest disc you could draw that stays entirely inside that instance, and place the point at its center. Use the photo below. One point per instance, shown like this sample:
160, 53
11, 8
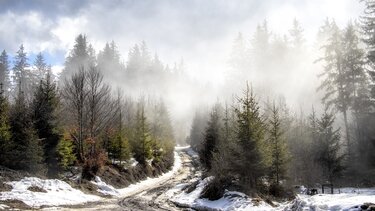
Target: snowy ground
230, 201
349, 199
57, 193
140, 186
61, 193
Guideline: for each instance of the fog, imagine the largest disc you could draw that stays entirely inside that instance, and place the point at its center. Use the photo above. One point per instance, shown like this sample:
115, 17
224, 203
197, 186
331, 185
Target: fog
194, 41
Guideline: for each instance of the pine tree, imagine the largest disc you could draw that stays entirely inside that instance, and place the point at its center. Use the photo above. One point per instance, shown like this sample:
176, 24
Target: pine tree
278, 148
368, 27
161, 126
239, 61
26, 151
119, 148
197, 130
5, 72
211, 139
41, 69
44, 113
109, 61
335, 84
81, 56
142, 140
21, 75
328, 155
5, 135
296, 34
65, 152
260, 51
250, 165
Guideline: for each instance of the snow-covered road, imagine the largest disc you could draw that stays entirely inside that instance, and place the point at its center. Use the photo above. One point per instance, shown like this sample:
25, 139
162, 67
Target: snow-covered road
151, 194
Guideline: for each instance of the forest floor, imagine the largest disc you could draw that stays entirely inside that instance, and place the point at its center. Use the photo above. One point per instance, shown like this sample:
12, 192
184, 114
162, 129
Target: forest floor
151, 194
178, 189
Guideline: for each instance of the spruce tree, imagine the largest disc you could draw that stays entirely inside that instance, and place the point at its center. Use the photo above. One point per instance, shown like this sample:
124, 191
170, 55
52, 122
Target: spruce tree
5, 72
44, 113
211, 139
277, 146
41, 69
250, 165
141, 139
26, 151
80, 57
335, 84
328, 155
5, 135
21, 74
65, 151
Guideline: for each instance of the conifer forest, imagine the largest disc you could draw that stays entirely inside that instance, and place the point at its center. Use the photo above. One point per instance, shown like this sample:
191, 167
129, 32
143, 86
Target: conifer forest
187, 105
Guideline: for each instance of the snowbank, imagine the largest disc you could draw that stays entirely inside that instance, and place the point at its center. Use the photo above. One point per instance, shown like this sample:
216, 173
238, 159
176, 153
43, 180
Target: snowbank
3, 207
140, 186
104, 188
57, 193
348, 199
230, 201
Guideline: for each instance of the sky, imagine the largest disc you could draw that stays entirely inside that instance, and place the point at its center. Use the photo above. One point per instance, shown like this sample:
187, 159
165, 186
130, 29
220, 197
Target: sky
199, 32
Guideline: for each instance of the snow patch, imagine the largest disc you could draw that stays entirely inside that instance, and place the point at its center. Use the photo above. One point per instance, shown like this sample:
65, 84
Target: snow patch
104, 188
137, 187
4, 207
134, 188
231, 200
58, 193
349, 199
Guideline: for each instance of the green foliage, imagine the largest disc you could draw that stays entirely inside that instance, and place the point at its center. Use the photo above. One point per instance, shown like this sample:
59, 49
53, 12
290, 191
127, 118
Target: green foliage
5, 73
65, 152
5, 135
119, 148
328, 155
27, 151
250, 165
142, 142
277, 147
44, 108
211, 139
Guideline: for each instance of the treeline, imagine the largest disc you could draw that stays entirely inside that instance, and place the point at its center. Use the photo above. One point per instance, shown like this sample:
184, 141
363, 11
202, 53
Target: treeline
265, 147
250, 145
48, 125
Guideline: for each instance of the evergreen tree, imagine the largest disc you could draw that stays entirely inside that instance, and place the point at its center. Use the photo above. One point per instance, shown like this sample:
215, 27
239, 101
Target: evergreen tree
44, 107
5, 72
335, 84
368, 27
260, 51
278, 148
5, 135
109, 61
41, 69
65, 152
328, 155
26, 151
250, 165
142, 140
81, 56
296, 34
211, 138
21, 75
239, 61
197, 130
119, 148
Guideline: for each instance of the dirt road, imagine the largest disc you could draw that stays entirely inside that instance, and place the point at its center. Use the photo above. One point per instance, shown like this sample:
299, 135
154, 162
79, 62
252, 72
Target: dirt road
154, 197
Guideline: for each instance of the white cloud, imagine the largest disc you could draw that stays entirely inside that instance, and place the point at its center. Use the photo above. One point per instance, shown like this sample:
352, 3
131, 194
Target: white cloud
199, 31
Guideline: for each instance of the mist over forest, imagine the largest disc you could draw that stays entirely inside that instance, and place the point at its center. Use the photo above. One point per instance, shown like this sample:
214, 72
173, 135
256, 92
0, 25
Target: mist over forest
267, 95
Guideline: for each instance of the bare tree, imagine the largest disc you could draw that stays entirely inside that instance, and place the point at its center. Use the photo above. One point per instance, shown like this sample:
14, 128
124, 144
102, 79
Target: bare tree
75, 96
100, 109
